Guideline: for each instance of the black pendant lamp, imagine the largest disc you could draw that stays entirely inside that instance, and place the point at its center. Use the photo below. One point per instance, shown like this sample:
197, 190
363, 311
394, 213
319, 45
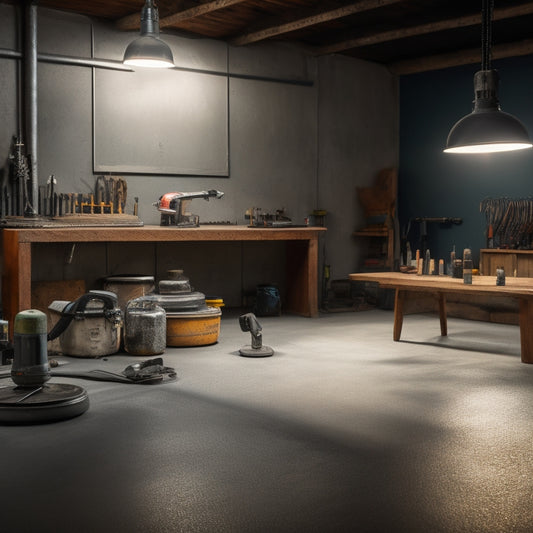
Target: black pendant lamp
149, 50
487, 128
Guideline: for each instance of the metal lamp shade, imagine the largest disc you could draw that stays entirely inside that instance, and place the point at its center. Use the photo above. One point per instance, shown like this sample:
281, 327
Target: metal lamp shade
148, 51
487, 130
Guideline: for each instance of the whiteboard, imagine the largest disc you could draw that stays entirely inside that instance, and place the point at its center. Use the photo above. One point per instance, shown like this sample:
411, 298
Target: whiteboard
159, 121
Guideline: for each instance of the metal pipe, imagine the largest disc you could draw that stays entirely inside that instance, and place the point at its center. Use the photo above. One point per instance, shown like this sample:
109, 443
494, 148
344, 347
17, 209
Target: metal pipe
83, 62
10, 54
69, 60
118, 65
31, 104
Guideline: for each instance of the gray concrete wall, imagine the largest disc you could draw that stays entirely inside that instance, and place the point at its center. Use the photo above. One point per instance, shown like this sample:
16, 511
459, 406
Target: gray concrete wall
290, 146
358, 136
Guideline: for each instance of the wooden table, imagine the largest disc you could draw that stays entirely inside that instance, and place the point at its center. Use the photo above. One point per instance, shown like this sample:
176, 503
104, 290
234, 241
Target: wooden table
302, 255
408, 285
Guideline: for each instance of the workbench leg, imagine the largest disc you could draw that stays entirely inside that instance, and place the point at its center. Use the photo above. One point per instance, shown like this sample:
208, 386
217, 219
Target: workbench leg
302, 277
526, 330
398, 314
16, 278
442, 315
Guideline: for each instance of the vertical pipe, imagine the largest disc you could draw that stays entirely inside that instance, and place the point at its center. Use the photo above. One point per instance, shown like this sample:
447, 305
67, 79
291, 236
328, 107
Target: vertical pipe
31, 102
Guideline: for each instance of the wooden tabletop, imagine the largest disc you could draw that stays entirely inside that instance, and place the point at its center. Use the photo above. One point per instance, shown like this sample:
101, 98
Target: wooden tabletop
480, 284
209, 232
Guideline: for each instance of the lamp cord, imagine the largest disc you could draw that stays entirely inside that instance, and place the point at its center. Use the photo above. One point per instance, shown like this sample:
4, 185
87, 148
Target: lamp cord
487, 8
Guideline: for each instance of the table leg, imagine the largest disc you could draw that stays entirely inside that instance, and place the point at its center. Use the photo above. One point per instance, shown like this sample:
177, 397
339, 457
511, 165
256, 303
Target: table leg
302, 277
16, 278
398, 314
442, 315
526, 330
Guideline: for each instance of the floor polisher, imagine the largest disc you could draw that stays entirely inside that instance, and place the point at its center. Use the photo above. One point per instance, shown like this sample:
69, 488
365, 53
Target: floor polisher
32, 399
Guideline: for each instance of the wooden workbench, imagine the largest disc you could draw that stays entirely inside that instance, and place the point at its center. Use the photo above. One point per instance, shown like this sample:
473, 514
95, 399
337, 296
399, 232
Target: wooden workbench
408, 285
302, 255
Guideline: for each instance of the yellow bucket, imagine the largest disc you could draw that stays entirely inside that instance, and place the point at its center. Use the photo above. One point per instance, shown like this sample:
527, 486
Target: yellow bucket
194, 328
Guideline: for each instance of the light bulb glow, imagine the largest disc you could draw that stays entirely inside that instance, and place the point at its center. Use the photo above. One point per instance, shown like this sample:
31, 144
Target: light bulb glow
148, 63
488, 148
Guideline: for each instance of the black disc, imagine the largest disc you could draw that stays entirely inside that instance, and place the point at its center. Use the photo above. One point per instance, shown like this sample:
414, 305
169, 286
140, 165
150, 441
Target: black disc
51, 403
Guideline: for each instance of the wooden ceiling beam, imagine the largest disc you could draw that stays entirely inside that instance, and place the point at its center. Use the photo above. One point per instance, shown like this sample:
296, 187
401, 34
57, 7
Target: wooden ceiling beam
464, 57
315, 17
133, 22
432, 27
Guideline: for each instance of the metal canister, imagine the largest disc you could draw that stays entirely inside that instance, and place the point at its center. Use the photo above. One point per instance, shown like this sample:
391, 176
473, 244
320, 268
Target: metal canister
500, 276
145, 328
129, 287
30, 366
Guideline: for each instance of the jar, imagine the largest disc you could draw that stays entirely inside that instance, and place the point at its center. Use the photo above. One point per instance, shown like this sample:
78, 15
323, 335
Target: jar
145, 328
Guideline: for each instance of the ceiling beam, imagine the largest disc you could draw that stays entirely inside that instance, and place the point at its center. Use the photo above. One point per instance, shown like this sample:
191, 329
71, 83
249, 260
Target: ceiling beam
464, 57
432, 27
316, 17
133, 22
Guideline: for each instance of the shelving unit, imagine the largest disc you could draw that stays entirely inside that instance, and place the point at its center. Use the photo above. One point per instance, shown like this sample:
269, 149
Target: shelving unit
379, 204
379, 246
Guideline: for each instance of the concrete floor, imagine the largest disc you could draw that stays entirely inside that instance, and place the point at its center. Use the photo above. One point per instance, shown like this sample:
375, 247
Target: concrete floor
341, 430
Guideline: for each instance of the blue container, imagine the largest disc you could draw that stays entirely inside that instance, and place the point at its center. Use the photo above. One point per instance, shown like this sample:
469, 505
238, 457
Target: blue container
267, 301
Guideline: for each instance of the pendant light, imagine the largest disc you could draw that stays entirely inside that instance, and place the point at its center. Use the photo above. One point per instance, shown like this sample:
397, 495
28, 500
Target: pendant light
487, 128
149, 50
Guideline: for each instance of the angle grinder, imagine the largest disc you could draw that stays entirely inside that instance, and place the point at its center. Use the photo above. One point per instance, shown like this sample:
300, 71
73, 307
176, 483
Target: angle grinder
33, 400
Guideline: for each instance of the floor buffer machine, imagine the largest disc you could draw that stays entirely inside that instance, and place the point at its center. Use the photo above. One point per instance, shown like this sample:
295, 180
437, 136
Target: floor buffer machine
32, 399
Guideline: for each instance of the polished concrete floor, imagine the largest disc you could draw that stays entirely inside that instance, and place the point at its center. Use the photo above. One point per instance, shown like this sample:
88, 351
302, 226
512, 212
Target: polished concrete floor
342, 430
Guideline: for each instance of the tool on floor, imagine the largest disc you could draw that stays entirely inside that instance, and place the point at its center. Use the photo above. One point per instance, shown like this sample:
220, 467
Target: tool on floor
32, 399
249, 322
151, 371
174, 207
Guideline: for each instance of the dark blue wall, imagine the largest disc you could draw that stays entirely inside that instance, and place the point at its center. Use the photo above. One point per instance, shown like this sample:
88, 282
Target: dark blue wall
435, 184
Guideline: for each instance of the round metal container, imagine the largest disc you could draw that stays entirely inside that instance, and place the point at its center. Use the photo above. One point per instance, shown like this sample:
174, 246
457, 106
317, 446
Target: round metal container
197, 328
129, 287
145, 328
175, 282
173, 303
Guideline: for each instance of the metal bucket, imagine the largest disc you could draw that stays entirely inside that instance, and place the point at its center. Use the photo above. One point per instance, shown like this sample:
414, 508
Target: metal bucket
129, 287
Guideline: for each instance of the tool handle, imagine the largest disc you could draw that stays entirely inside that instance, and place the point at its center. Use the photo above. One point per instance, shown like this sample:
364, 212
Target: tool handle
78, 307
